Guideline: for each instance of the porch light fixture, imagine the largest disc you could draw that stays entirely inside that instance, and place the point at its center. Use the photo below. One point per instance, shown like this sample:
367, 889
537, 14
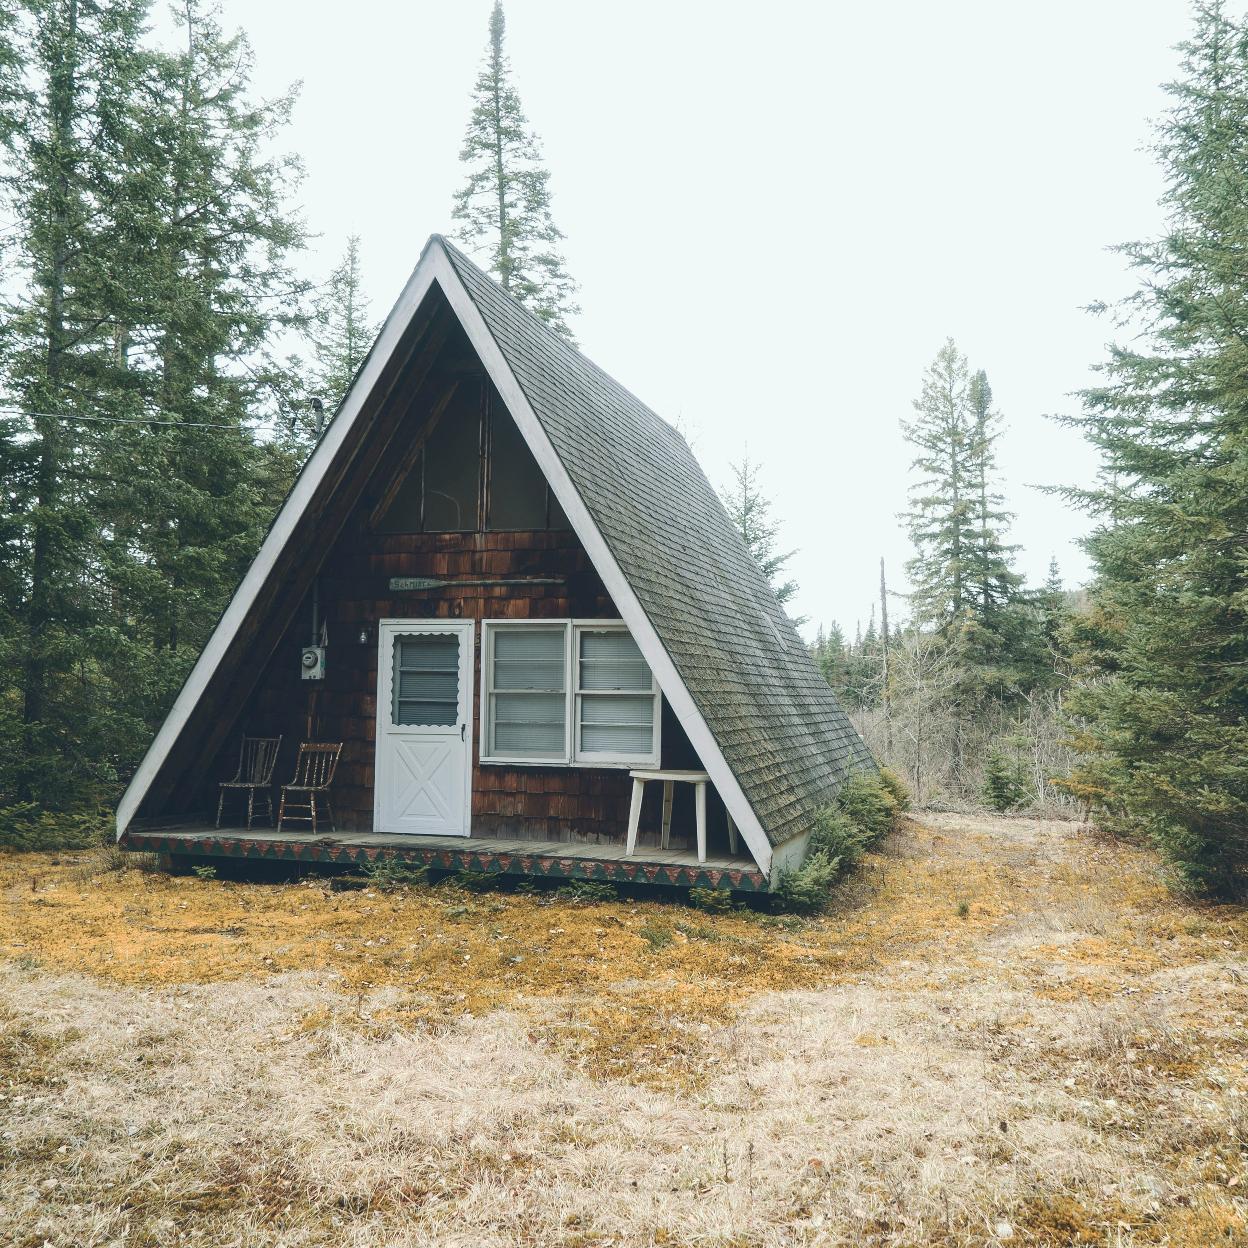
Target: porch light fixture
363, 638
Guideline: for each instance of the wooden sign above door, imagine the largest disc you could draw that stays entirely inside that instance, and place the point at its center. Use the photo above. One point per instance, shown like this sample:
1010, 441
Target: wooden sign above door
424, 583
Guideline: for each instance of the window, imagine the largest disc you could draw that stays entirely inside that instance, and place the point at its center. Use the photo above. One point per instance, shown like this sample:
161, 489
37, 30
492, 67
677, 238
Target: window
518, 493
441, 490
614, 695
452, 467
567, 692
426, 679
528, 713
443, 482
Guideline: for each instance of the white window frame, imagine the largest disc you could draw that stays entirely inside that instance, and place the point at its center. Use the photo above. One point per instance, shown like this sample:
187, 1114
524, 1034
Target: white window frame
573, 756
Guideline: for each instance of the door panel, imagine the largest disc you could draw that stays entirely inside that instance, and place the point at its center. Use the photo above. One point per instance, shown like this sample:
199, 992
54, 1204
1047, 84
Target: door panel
424, 720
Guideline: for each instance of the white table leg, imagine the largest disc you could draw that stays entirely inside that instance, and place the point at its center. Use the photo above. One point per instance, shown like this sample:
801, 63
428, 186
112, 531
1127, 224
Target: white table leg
732, 833
668, 793
634, 817
699, 797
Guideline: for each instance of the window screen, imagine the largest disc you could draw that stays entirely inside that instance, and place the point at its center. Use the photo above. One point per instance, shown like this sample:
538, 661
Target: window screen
615, 695
426, 680
453, 466
528, 700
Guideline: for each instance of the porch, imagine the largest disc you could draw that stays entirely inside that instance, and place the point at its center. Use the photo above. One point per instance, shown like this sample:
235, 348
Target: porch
608, 863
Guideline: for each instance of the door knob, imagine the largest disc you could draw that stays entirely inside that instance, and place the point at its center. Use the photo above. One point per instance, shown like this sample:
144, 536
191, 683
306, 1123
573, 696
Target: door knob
463, 732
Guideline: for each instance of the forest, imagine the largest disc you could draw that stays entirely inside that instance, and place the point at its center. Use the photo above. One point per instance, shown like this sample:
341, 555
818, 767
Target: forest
165, 371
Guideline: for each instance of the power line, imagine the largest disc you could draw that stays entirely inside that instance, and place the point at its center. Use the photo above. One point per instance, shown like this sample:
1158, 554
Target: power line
124, 420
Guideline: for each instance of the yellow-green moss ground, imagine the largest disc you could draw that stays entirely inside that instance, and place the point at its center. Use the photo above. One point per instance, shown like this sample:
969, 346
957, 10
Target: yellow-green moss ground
1006, 1031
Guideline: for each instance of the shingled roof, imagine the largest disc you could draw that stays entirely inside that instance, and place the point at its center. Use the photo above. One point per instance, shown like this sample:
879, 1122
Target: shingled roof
776, 721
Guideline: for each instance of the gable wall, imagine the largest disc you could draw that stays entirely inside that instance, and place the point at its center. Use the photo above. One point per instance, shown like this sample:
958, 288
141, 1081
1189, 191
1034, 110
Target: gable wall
537, 803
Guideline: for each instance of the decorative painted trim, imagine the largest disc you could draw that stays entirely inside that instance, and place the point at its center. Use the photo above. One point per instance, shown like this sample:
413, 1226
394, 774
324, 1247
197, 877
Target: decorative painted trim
439, 858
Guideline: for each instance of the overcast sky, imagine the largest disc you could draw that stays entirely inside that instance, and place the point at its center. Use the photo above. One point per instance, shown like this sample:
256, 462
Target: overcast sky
777, 212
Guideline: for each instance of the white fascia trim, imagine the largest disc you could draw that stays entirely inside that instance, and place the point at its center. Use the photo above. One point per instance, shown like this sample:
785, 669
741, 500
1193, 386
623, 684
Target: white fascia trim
283, 526
631, 611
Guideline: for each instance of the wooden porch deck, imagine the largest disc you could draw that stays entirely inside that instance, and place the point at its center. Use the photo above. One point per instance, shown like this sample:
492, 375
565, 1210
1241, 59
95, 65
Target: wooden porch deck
542, 859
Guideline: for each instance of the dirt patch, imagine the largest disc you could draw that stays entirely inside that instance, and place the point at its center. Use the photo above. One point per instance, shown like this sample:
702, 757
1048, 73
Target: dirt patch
1007, 1034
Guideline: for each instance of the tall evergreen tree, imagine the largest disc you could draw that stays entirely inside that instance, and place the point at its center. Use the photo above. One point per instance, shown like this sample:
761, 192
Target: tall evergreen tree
750, 511
1054, 614
341, 331
503, 209
1166, 739
991, 582
137, 347
215, 291
72, 126
941, 519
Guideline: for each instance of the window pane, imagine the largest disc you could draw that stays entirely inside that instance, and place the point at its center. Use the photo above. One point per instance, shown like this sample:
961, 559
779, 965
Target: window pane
426, 680
612, 661
528, 710
517, 486
534, 645
528, 674
617, 724
453, 465
529, 725
403, 514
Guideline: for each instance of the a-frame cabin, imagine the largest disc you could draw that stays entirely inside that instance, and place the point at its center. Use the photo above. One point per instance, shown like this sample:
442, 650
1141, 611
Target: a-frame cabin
527, 591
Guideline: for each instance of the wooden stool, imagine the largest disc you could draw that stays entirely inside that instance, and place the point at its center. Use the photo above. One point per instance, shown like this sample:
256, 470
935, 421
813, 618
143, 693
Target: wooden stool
699, 780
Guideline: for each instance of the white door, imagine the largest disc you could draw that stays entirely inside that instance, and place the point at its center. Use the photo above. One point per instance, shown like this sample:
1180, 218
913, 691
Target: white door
423, 779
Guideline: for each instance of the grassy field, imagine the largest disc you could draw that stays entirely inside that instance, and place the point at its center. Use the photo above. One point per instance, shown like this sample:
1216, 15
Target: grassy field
1007, 1032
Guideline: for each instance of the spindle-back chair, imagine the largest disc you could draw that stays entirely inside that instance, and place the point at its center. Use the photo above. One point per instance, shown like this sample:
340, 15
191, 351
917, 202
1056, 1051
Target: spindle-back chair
256, 760
314, 773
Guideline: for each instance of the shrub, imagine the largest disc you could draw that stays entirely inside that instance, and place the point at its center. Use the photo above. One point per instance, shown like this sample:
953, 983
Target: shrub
837, 838
474, 881
808, 889
711, 900
26, 828
1005, 786
587, 892
205, 871
865, 798
896, 787
866, 809
391, 875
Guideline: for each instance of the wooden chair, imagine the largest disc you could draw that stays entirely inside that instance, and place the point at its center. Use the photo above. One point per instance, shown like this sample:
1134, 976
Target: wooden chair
314, 773
256, 761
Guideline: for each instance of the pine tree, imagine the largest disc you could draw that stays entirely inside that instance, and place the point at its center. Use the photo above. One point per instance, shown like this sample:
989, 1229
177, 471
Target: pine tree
342, 332
1166, 742
829, 653
991, 582
750, 511
1054, 620
941, 520
150, 282
70, 119
503, 209
215, 290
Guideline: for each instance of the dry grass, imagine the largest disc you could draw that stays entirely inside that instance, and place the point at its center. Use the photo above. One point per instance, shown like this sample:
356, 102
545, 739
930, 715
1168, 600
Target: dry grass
1007, 1034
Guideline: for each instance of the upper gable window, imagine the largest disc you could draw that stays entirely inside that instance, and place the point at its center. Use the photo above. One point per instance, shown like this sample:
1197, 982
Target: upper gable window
474, 449
519, 497
452, 467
